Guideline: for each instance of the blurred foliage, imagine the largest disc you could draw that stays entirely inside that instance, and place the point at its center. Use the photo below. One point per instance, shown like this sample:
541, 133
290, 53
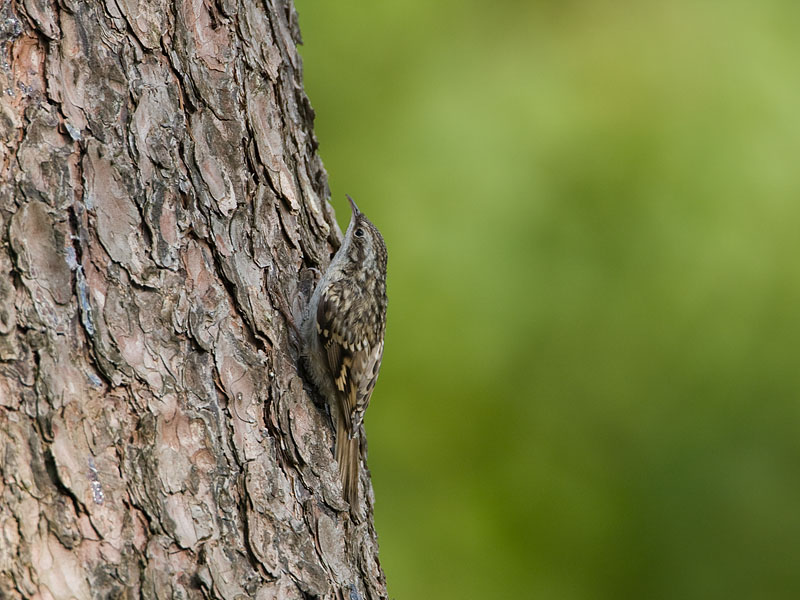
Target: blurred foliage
590, 386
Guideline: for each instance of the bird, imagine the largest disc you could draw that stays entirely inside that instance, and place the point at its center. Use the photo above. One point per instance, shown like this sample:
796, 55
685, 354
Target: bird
343, 333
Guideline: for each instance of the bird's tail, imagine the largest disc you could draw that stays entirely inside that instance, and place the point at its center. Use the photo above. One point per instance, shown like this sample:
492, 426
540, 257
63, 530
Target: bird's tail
347, 455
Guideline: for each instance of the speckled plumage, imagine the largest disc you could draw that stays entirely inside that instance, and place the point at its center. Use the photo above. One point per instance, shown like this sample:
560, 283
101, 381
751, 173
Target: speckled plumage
343, 331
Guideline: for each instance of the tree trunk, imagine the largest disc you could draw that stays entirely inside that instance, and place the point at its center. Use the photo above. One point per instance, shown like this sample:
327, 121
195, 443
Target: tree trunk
161, 204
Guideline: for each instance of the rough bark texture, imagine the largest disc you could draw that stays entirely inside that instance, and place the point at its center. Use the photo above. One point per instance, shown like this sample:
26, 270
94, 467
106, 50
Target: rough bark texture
161, 200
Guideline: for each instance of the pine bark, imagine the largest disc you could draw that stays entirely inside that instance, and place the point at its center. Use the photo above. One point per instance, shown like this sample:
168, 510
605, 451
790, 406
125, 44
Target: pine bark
162, 211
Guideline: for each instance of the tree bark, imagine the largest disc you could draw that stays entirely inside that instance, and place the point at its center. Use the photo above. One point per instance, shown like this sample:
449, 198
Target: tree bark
162, 206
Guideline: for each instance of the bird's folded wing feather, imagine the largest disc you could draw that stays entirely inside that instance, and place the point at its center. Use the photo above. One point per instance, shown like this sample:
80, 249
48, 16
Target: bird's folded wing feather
353, 362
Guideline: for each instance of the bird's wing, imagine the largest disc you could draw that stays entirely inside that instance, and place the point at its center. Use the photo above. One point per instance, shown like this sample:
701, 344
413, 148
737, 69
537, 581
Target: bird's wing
354, 363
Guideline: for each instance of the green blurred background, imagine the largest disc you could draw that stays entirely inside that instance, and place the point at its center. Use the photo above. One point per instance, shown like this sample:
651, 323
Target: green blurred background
591, 386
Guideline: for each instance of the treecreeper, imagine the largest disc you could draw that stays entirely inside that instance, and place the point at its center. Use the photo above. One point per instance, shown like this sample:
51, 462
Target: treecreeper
343, 330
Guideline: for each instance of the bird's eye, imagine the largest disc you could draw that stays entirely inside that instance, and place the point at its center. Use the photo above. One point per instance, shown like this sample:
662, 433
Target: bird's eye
359, 232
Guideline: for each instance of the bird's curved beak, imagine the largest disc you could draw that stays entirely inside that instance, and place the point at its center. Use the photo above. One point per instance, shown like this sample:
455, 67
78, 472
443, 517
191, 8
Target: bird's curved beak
353, 206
